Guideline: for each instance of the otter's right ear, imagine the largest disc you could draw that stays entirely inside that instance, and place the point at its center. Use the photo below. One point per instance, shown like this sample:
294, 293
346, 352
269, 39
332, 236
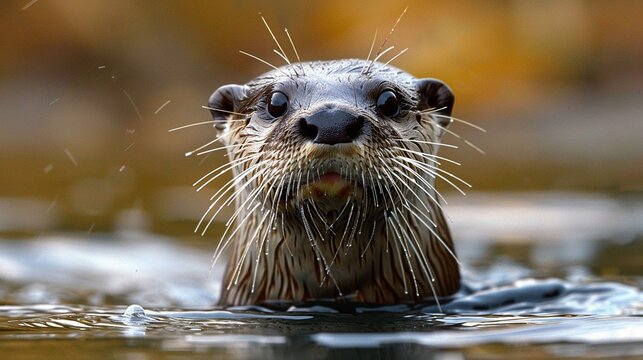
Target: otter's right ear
436, 95
225, 102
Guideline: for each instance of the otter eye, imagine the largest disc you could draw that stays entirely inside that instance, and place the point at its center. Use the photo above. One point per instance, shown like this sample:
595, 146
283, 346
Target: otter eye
278, 104
388, 104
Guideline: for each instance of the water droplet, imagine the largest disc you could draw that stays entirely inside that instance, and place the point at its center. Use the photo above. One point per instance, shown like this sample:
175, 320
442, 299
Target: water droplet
134, 310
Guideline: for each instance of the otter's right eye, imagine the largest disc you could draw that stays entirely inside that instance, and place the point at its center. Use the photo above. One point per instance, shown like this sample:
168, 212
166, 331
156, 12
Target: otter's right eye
278, 104
388, 104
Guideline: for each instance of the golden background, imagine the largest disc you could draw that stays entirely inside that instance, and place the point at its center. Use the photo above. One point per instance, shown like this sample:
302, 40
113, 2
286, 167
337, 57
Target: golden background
89, 90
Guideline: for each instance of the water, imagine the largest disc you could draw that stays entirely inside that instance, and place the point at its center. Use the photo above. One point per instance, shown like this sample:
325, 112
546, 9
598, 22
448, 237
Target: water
560, 277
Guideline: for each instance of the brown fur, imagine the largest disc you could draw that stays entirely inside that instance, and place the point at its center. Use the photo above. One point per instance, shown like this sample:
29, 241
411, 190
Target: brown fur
384, 240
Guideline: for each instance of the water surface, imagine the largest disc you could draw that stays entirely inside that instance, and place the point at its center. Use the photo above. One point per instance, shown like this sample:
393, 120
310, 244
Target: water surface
546, 276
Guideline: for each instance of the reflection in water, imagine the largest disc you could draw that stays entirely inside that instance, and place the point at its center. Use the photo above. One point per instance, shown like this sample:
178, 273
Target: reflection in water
272, 334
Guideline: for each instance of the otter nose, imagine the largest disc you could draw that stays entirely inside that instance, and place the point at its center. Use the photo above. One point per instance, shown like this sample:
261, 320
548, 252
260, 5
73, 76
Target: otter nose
331, 126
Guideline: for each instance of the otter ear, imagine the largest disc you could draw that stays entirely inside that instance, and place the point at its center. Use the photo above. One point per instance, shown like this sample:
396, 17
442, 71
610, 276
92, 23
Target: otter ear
434, 94
224, 102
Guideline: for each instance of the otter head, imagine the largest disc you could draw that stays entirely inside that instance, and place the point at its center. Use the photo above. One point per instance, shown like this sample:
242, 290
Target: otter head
331, 154
328, 124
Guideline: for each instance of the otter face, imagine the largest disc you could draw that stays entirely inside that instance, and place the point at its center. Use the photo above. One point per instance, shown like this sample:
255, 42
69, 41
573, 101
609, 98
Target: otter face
328, 132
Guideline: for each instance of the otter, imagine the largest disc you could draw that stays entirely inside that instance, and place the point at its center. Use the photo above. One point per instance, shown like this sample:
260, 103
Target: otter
334, 166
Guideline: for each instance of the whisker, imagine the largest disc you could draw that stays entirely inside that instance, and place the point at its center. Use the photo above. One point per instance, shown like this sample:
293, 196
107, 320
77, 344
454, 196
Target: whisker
437, 143
321, 236
391, 60
425, 261
192, 125
462, 139
370, 238
219, 138
379, 51
222, 191
230, 198
162, 106
238, 147
259, 253
383, 53
317, 250
399, 256
427, 183
461, 121
431, 229
250, 199
341, 241
229, 166
265, 62
427, 155
448, 173
281, 55
204, 159
410, 189
242, 259
221, 246
295, 50
370, 51
275, 39
428, 168
405, 244
432, 110
223, 111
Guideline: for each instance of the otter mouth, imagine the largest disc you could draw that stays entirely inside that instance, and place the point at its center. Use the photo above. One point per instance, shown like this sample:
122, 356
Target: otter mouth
330, 184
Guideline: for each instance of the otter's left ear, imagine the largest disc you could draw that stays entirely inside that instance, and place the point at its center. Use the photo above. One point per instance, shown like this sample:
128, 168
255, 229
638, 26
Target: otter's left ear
224, 102
434, 94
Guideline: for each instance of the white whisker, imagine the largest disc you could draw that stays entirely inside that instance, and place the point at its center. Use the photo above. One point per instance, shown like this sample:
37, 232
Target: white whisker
432, 110
275, 39
370, 51
295, 50
461, 121
391, 60
223, 111
462, 139
379, 51
162, 106
428, 156
263, 61
192, 125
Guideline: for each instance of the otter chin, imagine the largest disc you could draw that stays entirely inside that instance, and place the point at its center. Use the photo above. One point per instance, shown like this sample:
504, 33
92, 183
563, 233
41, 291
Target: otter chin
333, 177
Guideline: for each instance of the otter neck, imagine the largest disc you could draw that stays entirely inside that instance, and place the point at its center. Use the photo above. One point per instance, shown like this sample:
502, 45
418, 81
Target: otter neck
379, 252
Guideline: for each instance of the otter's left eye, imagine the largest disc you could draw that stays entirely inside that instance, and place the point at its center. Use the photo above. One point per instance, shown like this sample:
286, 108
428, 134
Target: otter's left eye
388, 104
278, 104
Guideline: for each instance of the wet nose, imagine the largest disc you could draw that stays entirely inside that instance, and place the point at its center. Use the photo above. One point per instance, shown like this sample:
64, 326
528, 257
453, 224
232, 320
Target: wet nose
331, 126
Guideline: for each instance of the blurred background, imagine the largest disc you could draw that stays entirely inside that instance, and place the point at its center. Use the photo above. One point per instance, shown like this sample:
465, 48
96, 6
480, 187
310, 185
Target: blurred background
89, 90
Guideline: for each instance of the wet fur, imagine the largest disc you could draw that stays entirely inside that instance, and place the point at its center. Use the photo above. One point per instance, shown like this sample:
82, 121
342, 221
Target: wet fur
386, 242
